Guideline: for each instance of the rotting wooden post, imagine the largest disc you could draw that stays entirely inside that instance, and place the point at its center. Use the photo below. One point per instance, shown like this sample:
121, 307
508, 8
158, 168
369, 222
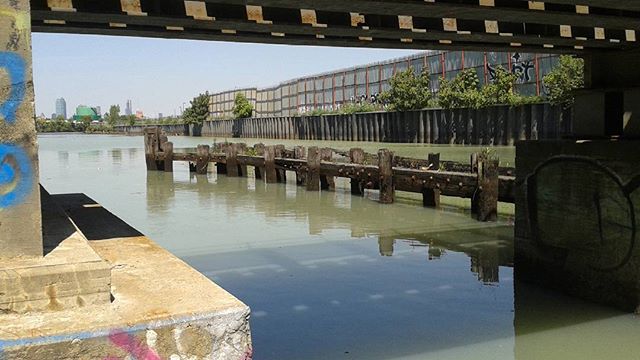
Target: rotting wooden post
281, 173
431, 196
487, 194
387, 187
203, 159
434, 161
221, 168
474, 169
241, 150
327, 182
270, 175
356, 156
232, 160
151, 148
313, 169
301, 176
259, 150
167, 149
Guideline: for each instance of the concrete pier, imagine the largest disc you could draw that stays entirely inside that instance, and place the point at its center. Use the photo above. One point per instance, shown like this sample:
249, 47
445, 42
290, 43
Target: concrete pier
157, 307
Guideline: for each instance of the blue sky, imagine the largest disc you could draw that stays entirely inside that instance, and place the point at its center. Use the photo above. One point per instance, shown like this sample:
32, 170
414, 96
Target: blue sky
159, 75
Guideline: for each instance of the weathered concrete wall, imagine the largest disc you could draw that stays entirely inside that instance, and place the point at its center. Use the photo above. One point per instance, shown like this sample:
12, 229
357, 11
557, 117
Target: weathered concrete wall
20, 221
577, 211
500, 125
223, 336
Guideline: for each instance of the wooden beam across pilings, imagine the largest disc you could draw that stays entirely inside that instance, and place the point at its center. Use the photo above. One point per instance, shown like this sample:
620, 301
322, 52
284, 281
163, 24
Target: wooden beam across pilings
429, 177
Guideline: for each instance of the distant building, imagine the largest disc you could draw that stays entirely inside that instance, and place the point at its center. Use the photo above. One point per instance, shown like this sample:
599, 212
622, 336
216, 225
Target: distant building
139, 115
83, 111
61, 108
160, 116
53, 116
128, 108
98, 111
331, 90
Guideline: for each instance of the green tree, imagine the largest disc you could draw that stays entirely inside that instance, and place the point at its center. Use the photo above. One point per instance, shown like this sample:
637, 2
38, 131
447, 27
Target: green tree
113, 115
500, 91
242, 108
198, 112
408, 91
564, 79
461, 92
464, 90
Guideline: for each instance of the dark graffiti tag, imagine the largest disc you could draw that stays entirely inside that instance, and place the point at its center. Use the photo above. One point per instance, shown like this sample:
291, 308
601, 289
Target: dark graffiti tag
571, 198
14, 65
521, 68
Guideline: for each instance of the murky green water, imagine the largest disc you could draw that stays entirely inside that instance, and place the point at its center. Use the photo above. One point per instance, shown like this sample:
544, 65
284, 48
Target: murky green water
332, 276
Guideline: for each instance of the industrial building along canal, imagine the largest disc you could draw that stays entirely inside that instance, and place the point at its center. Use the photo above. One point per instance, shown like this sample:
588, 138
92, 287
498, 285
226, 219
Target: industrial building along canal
328, 91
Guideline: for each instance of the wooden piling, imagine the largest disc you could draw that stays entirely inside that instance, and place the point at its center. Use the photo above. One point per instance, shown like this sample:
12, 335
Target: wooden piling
259, 151
270, 175
431, 196
387, 187
301, 176
241, 149
327, 182
232, 161
473, 161
313, 169
356, 156
203, 159
487, 194
281, 174
151, 147
167, 149
221, 168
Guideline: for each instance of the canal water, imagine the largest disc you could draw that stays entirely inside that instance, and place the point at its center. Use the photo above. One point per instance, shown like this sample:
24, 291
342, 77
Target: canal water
332, 276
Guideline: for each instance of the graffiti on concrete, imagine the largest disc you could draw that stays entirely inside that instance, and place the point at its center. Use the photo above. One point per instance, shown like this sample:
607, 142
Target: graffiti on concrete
14, 65
570, 198
132, 347
15, 175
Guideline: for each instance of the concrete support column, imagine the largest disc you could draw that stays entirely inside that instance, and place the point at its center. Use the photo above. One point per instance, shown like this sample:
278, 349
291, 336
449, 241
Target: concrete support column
20, 218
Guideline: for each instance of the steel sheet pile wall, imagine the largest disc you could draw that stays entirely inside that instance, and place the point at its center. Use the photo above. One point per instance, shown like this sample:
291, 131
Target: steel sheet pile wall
499, 125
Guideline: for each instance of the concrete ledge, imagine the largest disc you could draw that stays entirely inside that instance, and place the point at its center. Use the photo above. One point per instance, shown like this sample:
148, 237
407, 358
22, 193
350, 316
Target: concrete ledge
70, 275
161, 309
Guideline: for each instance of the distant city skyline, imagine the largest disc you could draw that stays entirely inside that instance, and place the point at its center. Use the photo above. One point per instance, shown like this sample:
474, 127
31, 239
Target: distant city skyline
61, 108
159, 75
128, 108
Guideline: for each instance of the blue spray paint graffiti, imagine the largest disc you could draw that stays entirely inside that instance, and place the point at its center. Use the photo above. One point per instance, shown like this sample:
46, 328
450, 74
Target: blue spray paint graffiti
15, 175
15, 67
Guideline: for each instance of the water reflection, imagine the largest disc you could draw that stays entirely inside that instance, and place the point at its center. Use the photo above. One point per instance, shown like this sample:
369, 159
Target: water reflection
332, 276
63, 158
116, 156
487, 246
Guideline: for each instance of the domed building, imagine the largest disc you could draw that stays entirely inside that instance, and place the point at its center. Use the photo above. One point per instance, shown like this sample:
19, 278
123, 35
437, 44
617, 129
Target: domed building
83, 112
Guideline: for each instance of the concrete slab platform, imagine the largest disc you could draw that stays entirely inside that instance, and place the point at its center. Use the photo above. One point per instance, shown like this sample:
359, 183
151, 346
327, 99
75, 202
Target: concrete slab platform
161, 308
70, 275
